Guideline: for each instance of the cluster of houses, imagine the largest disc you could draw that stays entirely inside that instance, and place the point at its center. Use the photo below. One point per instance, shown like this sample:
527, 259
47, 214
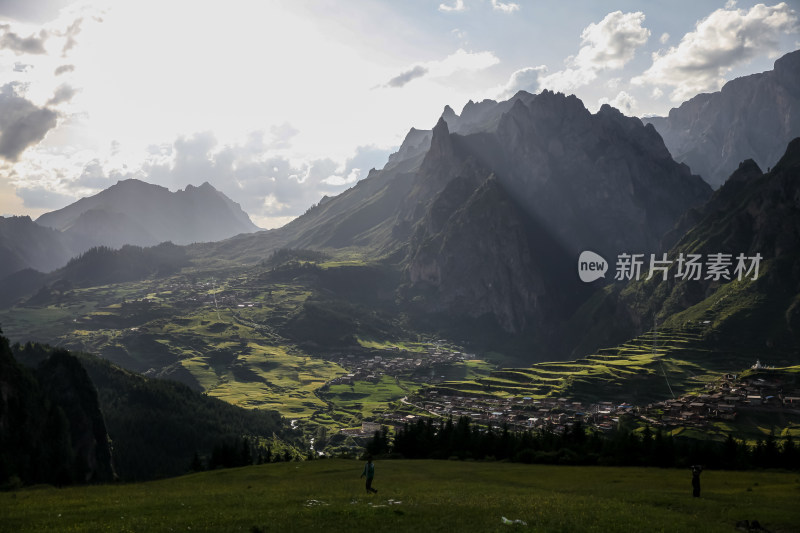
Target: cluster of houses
723, 399
192, 294
518, 413
372, 367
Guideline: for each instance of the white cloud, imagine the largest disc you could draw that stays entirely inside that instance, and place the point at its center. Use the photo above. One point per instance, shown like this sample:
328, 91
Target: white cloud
281, 134
664, 38
612, 42
462, 60
70, 33
401, 79
460, 34
458, 61
63, 69
505, 7
606, 45
568, 80
623, 101
32, 44
458, 5
63, 93
524, 79
337, 180
271, 203
271, 187
726, 38
22, 123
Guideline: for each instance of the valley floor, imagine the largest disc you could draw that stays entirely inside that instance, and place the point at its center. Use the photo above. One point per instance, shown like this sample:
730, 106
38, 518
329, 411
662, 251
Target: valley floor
328, 495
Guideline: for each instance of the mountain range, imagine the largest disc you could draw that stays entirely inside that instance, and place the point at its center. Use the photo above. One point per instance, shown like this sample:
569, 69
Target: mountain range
130, 212
487, 224
482, 218
471, 233
143, 214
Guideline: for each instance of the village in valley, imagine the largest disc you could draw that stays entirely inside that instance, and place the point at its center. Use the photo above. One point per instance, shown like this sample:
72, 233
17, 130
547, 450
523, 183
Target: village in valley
722, 400
433, 377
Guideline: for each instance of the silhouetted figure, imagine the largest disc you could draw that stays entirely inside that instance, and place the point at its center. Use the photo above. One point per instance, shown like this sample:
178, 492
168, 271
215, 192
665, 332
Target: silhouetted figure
369, 473
696, 470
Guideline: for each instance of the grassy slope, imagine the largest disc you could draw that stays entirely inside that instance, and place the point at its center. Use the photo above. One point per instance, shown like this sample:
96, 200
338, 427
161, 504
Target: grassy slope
368, 397
415, 496
233, 354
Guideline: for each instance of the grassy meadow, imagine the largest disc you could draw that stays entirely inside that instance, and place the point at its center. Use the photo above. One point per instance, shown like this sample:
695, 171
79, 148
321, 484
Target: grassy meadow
327, 495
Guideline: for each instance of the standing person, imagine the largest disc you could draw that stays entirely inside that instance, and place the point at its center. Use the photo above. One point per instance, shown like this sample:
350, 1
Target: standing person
369, 473
696, 470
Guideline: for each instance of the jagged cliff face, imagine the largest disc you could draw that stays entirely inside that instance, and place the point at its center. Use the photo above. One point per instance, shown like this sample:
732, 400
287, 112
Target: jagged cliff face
601, 181
473, 255
753, 213
752, 117
502, 214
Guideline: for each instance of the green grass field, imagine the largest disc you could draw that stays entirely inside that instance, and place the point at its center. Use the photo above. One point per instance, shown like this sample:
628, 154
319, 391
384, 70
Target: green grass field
418, 496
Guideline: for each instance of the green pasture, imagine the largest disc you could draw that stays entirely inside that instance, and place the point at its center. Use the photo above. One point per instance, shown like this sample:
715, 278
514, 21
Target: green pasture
382, 344
368, 397
327, 495
273, 377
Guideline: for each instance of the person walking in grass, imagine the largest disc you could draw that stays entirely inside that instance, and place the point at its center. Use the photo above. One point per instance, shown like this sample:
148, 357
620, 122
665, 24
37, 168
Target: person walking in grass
369, 473
696, 471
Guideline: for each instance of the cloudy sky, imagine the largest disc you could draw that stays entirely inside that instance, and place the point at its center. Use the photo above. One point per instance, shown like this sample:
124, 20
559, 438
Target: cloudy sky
277, 103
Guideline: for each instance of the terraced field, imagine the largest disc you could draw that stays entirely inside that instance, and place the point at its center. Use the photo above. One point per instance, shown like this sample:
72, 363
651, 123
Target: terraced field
651, 367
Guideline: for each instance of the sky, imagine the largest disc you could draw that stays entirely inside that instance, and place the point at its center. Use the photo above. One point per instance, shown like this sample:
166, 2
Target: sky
278, 103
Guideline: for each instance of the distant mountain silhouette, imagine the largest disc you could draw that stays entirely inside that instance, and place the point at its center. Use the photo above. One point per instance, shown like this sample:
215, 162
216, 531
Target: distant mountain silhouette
752, 117
25, 244
131, 212
143, 214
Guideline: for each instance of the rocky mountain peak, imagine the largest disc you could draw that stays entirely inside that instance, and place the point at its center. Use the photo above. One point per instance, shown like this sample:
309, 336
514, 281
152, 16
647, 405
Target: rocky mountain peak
753, 117
144, 214
440, 157
441, 136
791, 158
